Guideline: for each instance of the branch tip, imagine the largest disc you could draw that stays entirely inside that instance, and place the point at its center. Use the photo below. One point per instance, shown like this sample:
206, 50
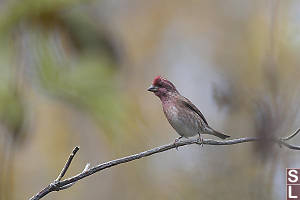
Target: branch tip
67, 165
291, 136
75, 150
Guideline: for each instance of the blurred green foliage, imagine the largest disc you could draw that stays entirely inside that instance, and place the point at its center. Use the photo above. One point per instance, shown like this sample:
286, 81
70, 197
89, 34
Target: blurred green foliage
11, 106
88, 82
81, 73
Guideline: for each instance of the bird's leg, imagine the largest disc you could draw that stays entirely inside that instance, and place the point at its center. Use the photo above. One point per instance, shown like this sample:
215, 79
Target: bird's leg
200, 140
176, 140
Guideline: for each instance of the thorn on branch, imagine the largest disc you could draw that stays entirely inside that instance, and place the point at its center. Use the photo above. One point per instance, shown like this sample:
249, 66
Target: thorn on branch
87, 166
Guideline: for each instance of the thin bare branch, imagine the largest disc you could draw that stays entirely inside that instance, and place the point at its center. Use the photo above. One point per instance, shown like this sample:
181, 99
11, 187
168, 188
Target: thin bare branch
291, 136
67, 165
58, 185
86, 168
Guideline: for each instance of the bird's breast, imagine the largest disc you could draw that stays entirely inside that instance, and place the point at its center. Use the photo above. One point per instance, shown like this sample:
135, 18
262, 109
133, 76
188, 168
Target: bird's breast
181, 120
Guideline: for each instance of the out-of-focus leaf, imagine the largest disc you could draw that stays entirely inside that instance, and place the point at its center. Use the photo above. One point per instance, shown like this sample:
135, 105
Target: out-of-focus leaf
11, 112
11, 106
87, 82
19, 11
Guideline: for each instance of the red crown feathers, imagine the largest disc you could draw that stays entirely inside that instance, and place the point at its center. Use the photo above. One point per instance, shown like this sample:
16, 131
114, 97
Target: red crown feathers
157, 80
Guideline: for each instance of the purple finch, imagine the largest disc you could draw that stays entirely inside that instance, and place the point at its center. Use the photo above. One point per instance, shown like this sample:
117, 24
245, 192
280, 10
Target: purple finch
181, 113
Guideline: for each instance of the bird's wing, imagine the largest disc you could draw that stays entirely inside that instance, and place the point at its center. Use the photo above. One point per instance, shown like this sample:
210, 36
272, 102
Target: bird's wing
188, 104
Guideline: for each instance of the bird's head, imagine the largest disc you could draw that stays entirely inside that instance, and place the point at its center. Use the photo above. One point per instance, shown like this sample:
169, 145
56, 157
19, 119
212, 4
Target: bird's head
161, 87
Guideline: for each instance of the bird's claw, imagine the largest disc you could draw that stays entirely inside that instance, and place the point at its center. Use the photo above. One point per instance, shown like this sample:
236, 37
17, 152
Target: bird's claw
175, 142
200, 141
280, 142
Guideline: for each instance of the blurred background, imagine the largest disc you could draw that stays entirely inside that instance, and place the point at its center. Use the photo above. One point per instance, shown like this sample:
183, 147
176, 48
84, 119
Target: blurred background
75, 72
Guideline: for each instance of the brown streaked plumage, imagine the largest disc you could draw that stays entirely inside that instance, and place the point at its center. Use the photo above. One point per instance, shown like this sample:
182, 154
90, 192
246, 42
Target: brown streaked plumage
181, 113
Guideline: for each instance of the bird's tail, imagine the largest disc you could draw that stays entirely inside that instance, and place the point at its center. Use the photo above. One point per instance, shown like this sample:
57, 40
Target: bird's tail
218, 134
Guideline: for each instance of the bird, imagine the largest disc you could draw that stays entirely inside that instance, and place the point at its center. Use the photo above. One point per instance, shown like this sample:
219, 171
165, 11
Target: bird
182, 114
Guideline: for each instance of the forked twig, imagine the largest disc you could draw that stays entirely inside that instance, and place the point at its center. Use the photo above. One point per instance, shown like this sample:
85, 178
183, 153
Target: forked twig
67, 165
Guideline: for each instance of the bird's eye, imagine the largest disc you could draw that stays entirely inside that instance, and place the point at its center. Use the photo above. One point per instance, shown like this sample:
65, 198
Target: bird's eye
159, 85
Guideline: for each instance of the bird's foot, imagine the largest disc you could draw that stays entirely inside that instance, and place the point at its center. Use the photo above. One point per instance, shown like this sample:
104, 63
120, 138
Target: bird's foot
200, 140
175, 142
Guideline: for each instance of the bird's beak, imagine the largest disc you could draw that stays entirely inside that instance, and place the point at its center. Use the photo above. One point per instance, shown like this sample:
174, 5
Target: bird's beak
152, 88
